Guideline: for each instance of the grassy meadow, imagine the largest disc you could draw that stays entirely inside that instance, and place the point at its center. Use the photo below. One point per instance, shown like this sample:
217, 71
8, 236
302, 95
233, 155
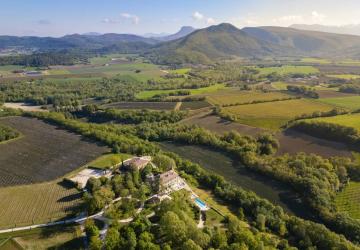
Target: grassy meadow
315, 60
151, 93
108, 160
273, 115
240, 97
345, 76
348, 200
288, 69
351, 102
140, 71
351, 120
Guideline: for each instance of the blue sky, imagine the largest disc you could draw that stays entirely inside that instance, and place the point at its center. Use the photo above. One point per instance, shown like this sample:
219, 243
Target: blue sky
60, 17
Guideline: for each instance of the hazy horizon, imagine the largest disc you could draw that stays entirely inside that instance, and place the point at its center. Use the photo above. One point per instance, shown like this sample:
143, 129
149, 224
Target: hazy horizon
49, 18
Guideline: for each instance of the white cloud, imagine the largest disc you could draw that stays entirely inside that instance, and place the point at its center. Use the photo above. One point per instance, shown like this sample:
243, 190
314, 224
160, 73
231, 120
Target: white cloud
134, 18
197, 16
210, 21
317, 17
108, 20
289, 19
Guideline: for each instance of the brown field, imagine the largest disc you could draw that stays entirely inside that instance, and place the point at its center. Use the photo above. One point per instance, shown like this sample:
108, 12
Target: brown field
37, 203
65, 76
219, 125
293, 142
44, 153
332, 94
194, 105
290, 141
142, 105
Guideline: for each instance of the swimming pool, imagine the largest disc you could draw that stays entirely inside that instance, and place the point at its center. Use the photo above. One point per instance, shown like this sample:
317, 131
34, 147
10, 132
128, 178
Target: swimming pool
200, 204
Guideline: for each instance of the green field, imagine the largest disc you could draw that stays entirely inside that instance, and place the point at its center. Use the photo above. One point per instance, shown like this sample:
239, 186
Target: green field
146, 71
239, 97
345, 76
279, 85
107, 58
58, 237
351, 120
37, 203
273, 115
350, 62
7, 70
315, 60
150, 93
348, 200
351, 102
288, 69
108, 160
183, 71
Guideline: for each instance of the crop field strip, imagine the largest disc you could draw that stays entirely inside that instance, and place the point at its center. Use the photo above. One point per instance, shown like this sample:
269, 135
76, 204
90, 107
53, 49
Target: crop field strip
142, 105
37, 203
44, 153
288, 69
348, 200
200, 91
273, 115
349, 102
243, 97
350, 120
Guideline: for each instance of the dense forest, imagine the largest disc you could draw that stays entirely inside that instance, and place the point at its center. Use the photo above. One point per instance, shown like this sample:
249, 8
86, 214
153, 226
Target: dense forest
329, 131
45, 59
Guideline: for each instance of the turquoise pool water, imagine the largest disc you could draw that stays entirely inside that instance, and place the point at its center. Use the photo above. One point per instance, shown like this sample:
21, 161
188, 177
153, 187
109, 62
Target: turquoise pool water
200, 203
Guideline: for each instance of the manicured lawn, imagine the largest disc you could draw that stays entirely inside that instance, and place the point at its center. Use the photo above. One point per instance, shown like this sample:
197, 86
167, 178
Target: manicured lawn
288, 69
150, 93
351, 102
213, 218
345, 76
108, 160
273, 115
352, 120
240, 97
348, 200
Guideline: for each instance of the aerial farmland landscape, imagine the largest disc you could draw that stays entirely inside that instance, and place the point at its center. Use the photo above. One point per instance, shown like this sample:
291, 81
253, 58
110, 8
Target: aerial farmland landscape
225, 125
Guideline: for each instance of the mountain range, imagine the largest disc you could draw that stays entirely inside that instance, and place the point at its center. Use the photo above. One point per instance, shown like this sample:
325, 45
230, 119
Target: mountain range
207, 45
226, 41
351, 29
